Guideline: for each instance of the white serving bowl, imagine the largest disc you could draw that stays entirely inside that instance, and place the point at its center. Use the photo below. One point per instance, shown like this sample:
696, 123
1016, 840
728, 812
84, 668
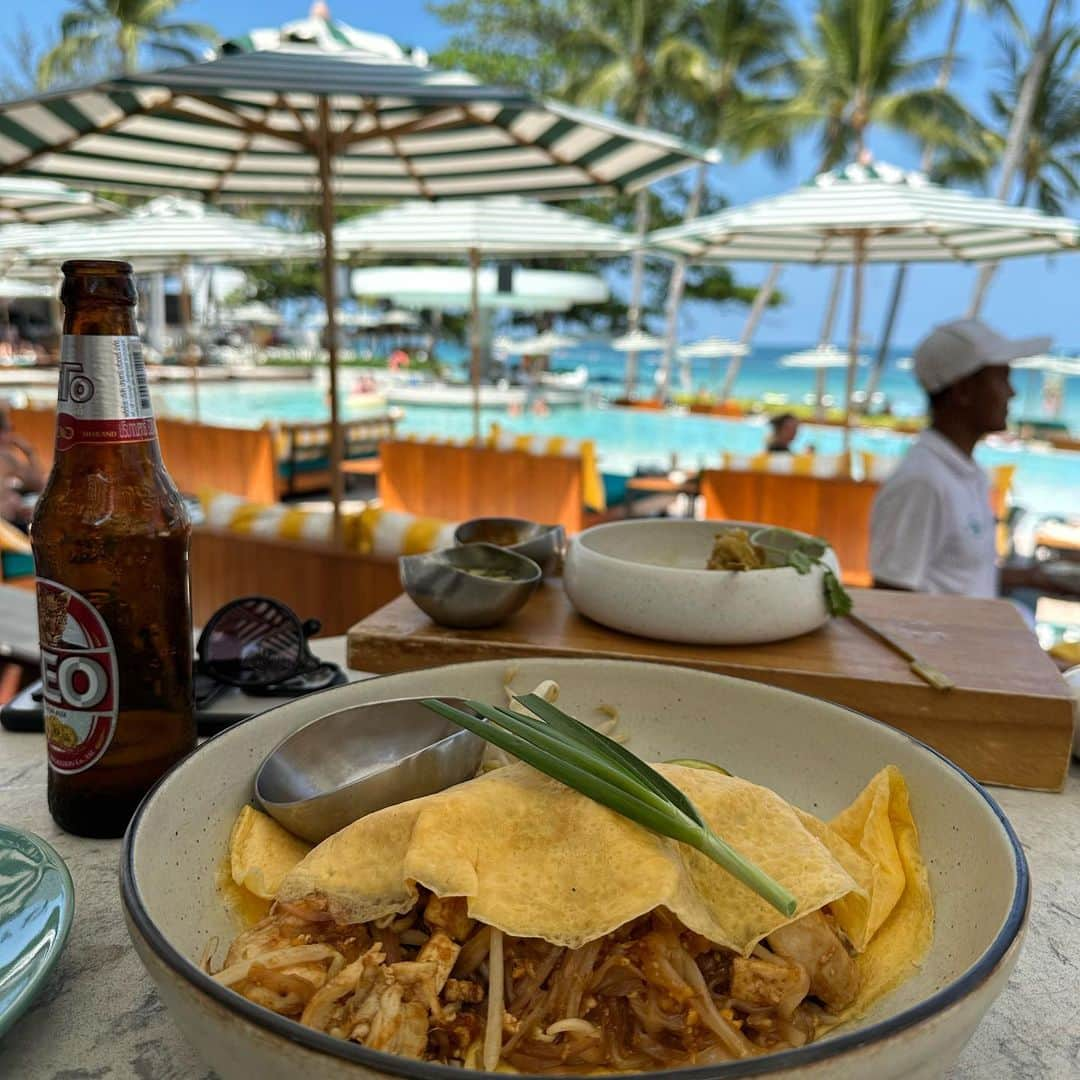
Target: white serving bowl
648, 578
814, 753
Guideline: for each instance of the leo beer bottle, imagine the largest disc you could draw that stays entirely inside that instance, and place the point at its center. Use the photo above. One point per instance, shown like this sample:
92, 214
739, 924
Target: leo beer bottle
110, 537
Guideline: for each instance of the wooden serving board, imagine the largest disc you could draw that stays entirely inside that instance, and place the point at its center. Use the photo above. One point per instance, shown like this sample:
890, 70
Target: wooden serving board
1008, 720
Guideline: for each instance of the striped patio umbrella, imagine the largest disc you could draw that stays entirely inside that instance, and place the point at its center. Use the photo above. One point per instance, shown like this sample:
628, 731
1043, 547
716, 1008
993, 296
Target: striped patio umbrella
166, 234
507, 225
281, 117
870, 213
26, 201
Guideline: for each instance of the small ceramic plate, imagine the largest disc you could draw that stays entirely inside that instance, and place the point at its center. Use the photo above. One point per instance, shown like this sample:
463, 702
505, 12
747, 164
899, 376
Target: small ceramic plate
36, 904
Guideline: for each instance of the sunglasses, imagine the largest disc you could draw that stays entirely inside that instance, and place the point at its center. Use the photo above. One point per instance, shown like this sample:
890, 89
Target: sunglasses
260, 646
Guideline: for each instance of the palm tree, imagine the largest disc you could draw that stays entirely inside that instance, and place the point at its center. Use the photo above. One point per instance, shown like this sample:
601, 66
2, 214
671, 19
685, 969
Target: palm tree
735, 40
971, 163
1019, 127
856, 71
1048, 166
120, 29
634, 56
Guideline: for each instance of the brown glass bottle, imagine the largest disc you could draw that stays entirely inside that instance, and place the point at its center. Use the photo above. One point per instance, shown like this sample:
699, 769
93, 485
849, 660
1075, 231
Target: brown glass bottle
111, 536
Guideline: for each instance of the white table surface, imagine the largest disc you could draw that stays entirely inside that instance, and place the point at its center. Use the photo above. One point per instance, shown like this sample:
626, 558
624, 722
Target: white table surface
99, 1016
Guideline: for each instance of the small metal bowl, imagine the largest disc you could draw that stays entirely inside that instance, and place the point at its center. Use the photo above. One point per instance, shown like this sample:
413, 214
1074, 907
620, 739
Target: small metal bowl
441, 585
360, 759
544, 544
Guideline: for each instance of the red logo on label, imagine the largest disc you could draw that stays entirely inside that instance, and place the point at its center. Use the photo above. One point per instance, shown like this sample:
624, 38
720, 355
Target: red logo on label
71, 430
79, 678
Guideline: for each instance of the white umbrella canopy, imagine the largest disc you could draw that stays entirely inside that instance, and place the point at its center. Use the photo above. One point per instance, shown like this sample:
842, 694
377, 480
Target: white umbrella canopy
1054, 365
28, 201
711, 347
821, 357
165, 234
870, 213
311, 115
449, 288
540, 345
638, 341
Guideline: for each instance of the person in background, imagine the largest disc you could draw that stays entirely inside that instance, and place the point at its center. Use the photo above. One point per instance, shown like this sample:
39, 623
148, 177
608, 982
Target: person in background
784, 429
20, 472
932, 528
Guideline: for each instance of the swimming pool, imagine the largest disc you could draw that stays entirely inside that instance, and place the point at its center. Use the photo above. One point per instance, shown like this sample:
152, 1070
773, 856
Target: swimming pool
1045, 482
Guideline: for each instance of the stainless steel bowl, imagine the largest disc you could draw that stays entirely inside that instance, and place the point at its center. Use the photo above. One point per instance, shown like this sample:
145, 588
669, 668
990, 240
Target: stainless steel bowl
441, 585
544, 544
359, 759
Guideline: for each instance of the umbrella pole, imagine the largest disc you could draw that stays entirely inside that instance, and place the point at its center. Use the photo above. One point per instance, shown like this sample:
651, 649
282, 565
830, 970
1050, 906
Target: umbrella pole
326, 183
185, 339
474, 338
825, 337
853, 344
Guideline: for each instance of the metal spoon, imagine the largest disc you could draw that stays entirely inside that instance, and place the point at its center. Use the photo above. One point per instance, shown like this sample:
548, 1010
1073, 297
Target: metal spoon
363, 758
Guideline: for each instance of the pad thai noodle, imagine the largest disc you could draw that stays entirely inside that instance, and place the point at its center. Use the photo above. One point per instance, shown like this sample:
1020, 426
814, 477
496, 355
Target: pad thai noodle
434, 984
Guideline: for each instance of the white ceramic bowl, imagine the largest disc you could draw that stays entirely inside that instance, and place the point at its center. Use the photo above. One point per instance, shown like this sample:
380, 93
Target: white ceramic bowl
816, 754
648, 578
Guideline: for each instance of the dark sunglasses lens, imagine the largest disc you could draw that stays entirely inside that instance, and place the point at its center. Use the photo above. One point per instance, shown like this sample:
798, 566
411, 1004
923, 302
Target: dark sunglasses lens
253, 642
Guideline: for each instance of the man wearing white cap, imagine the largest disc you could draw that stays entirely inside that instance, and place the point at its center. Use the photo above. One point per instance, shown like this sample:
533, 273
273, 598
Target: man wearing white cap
932, 528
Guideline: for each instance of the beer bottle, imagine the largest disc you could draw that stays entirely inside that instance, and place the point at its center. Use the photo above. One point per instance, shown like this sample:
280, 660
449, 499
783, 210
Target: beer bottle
111, 536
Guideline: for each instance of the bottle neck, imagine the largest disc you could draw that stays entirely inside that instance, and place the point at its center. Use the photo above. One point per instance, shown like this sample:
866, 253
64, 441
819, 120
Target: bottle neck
103, 399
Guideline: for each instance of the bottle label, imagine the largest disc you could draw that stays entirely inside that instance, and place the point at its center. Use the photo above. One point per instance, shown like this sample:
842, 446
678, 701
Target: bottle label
78, 676
103, 396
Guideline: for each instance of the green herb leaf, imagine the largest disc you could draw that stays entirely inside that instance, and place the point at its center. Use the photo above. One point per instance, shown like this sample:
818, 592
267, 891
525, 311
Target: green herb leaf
837, 598
802, 553
800, 562
614, 751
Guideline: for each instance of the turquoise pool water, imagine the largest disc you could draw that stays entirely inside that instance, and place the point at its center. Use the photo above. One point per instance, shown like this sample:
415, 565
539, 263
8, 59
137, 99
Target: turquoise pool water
1045, 482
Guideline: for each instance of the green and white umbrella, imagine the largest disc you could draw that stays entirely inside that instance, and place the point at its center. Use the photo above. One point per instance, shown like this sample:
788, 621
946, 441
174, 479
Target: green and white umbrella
870, 213
166, 234
286, 118
26, 201
506, 226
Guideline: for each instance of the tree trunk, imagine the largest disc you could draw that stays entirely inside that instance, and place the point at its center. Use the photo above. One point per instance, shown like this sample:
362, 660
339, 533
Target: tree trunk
925, 164
1018, 132
761, 302
676, 287
637, 269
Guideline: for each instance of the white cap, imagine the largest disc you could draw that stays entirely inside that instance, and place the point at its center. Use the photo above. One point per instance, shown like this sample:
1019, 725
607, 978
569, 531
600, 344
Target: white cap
957, 349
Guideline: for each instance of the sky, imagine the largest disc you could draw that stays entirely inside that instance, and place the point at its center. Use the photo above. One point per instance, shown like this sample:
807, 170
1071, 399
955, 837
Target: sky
1028, 296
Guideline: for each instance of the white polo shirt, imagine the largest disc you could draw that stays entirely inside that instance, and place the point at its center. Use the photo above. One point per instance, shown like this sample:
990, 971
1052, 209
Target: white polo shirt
932, 529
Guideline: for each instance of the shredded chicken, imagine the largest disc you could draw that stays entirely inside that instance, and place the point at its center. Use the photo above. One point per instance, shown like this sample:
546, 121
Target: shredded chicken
812, 942
650, 995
